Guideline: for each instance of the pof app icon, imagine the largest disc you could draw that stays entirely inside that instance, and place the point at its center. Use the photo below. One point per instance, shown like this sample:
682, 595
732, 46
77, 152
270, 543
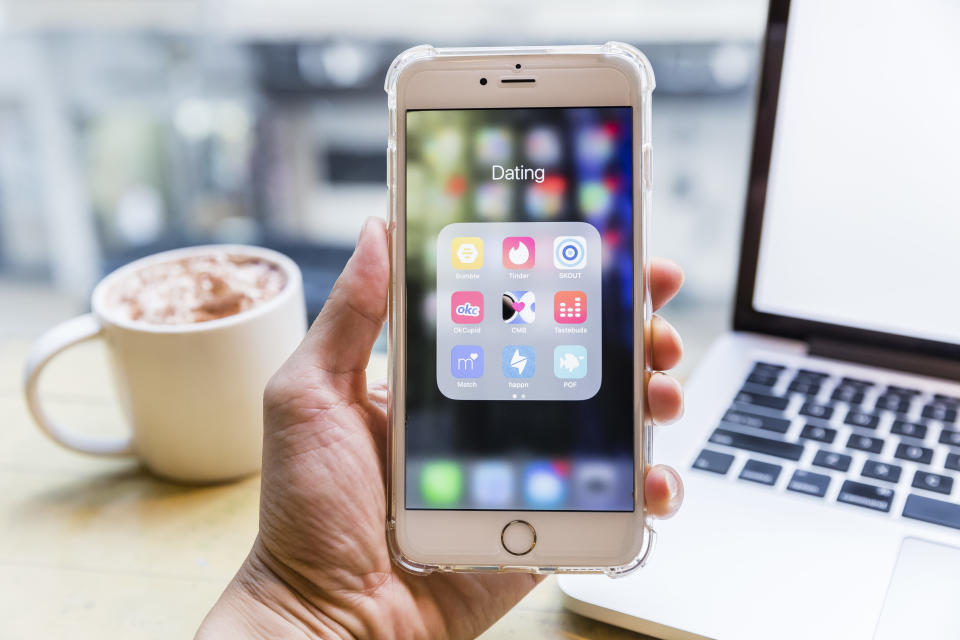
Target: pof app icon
570, 361
519, 307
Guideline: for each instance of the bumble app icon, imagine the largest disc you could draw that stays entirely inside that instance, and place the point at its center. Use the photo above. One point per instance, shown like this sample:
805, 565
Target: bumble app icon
466, 253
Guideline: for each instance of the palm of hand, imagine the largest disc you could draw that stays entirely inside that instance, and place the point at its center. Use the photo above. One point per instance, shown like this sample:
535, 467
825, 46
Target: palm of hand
323, 503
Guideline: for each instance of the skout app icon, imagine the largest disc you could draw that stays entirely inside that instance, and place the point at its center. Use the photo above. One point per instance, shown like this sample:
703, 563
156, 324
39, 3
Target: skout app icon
570, 252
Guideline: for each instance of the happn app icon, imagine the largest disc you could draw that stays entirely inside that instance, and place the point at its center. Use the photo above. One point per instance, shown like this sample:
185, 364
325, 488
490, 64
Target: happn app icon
519, 252
466, 253
570, 307
466, 361
466, 307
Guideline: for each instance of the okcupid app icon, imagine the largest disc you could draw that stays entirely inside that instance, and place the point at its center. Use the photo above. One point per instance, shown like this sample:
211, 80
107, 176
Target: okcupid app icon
466, 307
466, 361
518, 252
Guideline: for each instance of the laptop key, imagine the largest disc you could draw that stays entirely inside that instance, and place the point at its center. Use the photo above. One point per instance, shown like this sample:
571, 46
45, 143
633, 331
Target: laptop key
897, 404
762, 472
806, 387
914, 453
931, 510
713, 461
832, 460
940, 412
818, 433
850, 395
933, 482
762, 400
909, 429
861, 419
951, 437
901, 391
808, 482
809, 373
953, 461
881, 471
755, 420
776, 448
866, 495
865, 443
814, 410
945, 399
762, 379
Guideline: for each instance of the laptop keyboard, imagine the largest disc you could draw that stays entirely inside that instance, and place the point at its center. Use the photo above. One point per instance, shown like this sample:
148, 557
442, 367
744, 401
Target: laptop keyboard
841, 439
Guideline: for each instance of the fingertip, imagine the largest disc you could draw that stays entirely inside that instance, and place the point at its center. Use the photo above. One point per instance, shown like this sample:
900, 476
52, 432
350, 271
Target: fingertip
664, 398
663, 489
667, 345
666, 278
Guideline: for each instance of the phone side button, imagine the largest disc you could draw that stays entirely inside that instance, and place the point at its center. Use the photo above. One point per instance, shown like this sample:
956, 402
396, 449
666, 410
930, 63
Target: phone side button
518, 537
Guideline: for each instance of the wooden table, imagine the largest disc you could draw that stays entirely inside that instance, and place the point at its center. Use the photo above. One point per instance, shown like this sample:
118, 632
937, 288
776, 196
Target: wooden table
97, 548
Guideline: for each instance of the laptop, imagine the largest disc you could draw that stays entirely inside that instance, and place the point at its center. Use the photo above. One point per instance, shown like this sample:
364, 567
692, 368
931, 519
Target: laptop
821, 443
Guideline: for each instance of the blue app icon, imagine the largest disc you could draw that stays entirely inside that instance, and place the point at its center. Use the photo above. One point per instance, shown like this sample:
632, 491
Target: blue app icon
570, 361
518, 361
466, 361
544, 485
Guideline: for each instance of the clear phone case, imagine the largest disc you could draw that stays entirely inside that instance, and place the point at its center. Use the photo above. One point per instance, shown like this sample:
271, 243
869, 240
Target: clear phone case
645, 80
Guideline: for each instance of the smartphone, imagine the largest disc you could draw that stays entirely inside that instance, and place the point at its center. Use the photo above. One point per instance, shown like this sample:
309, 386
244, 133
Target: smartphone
519, 185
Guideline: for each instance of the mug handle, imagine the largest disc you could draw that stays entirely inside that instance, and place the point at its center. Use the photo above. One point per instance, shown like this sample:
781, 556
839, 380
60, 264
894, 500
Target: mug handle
51, 343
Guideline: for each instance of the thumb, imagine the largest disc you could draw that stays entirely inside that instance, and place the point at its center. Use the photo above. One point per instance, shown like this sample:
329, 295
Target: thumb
342, 336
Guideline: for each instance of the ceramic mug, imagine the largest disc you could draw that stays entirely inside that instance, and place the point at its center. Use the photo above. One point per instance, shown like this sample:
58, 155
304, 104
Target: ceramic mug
192, 392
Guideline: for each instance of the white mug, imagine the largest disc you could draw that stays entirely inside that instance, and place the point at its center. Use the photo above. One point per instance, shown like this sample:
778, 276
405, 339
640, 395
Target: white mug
193, 393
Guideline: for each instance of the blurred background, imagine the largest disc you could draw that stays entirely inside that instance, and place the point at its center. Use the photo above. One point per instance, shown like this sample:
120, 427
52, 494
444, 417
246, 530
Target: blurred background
133, 126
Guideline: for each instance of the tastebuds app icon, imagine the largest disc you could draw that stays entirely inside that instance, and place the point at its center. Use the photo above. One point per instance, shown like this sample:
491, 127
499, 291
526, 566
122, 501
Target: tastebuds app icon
518, 252
466, 307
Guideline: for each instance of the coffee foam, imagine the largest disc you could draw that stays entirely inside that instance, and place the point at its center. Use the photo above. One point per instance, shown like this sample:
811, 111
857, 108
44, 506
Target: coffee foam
196, 288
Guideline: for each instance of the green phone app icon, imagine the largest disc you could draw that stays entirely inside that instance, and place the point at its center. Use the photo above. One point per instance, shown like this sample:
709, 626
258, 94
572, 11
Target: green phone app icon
441, 483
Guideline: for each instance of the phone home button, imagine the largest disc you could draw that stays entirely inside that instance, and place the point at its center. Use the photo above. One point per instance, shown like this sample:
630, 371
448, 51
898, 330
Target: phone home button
518, 537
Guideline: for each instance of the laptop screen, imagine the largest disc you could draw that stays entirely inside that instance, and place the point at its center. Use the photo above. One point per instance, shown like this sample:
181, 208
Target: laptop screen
861, 226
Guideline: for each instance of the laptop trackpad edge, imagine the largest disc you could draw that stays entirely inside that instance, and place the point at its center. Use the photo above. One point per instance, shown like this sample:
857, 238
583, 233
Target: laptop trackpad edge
921, 599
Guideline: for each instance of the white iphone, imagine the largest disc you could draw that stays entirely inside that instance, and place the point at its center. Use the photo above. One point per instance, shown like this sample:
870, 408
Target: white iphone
519, 185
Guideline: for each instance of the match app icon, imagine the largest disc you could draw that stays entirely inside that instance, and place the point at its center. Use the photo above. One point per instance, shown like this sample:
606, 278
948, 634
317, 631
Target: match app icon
466, 307
466, 253
466, 361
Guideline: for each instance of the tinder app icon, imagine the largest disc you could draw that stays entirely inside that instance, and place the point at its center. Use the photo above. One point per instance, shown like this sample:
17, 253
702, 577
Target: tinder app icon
518, 253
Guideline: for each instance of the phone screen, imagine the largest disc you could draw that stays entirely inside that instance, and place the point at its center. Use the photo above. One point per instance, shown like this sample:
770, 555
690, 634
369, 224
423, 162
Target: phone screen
520, 279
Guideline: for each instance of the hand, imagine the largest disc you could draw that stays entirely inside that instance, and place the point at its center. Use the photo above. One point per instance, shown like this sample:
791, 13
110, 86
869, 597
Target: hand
320, 566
